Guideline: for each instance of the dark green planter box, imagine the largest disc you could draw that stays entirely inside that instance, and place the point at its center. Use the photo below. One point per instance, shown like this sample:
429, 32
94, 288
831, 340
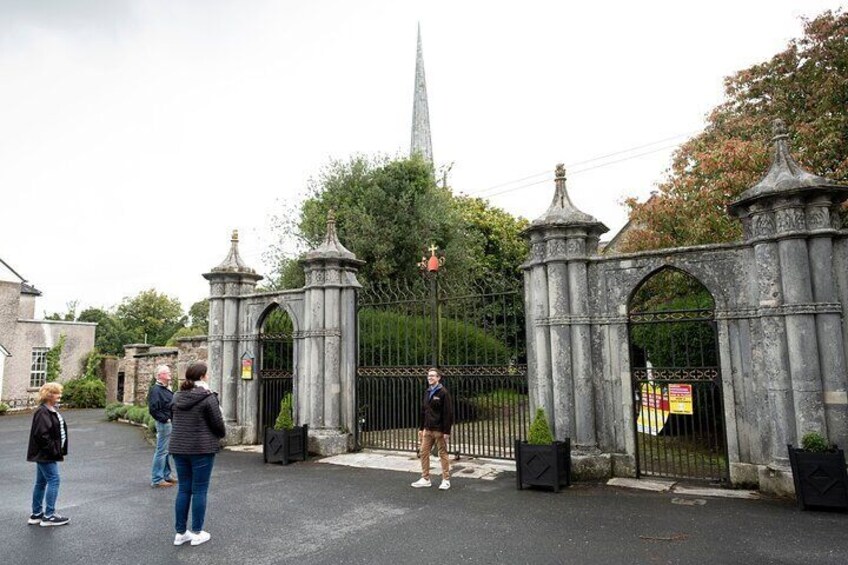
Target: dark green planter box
285, 446
820, 479
543, 465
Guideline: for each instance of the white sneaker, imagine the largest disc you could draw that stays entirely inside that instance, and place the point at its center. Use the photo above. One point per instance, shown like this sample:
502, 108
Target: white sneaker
180, 539
200, 537
422, 483
445, 485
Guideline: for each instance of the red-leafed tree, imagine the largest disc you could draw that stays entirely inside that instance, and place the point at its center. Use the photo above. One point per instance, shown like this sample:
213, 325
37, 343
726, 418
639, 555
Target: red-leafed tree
807, 86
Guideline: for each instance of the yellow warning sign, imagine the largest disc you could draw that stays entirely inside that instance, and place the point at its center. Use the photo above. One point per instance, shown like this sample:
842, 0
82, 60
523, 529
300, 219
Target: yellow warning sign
680, 398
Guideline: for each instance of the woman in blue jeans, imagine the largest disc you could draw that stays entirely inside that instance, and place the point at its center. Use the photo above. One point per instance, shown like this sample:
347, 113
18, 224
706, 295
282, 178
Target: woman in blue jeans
48, 444
197, 426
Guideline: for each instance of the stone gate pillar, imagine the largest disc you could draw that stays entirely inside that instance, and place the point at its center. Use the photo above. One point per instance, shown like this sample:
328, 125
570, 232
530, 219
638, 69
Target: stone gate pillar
326, 397
228, 282
787, 217
560, 372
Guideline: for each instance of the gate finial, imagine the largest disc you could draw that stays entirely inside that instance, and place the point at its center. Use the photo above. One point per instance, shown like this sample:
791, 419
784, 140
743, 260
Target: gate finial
785, 176
233, 263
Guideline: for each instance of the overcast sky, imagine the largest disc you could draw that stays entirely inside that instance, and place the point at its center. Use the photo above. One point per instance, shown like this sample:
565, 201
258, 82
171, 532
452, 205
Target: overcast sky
135, 135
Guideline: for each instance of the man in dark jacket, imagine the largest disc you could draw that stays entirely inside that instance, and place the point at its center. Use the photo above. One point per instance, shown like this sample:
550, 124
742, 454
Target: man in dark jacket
435, 422
159, 405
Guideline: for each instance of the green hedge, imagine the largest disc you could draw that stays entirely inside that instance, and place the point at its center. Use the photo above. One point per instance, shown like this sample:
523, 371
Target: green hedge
3, 408
392, 338
84, 393
116, 410
137, 414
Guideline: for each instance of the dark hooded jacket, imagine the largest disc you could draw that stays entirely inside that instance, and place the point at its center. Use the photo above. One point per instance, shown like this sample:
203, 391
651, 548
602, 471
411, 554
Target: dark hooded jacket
197, 423
45, 437
436, 411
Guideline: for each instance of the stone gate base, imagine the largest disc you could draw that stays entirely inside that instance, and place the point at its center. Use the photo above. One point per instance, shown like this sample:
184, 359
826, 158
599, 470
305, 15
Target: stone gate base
329, 442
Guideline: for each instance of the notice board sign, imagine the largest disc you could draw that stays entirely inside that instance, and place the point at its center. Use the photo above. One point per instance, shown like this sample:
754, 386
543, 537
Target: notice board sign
680, 398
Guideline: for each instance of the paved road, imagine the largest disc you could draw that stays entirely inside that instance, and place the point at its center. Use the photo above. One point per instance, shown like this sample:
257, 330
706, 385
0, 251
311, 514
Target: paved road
310, 513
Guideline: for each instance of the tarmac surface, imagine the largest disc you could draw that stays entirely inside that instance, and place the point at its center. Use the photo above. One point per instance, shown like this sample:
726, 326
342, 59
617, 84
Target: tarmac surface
314, 512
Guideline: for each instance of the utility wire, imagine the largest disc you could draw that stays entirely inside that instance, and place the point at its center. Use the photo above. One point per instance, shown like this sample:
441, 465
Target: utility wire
593, 159
572, 173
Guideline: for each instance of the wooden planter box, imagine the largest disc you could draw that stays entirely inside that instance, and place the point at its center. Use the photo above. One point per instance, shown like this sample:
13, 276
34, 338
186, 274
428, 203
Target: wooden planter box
285, 446
820, 478
543, 465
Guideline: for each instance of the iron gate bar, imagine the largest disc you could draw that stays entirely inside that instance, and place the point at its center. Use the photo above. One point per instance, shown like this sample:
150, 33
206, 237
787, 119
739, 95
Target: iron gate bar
673, 450
276, 365
473, 334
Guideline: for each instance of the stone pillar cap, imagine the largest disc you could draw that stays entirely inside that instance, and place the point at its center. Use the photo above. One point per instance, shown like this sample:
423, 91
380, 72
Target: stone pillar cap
563, 213
331, 248
785, 177
233, 263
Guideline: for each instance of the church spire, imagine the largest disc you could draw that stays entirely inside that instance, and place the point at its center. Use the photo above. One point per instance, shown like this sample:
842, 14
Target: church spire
420, 113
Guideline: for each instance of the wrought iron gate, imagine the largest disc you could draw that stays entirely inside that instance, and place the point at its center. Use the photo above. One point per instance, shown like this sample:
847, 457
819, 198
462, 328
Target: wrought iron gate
276, 365
474, 333
676, 378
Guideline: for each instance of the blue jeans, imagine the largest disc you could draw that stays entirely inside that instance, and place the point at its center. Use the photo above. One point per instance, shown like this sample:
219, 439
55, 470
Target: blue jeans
161, 466
194, 472
46, 488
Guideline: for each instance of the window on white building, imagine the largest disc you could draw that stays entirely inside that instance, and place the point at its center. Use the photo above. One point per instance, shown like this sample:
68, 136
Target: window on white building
38, 370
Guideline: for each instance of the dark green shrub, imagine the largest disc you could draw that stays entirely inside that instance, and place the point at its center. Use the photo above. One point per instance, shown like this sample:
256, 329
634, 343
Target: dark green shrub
85, 393
3, 408
500, 402
137, 414
394, 338
815, 443
284, 419
540, 432
113, 409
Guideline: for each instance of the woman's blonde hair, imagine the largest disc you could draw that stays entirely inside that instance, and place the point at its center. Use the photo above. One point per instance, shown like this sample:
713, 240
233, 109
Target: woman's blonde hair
46, 390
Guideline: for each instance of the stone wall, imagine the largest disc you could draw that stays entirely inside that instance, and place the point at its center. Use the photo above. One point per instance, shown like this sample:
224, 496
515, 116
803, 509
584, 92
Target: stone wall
140, 361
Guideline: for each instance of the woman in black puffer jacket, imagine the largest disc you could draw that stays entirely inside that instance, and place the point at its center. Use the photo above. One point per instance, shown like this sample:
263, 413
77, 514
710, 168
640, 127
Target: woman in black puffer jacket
197, 428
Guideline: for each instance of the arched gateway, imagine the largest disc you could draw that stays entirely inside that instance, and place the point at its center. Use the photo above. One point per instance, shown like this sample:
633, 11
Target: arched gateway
676, 379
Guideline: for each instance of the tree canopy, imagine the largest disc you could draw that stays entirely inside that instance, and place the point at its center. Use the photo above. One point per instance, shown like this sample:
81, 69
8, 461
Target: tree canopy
807, 86
388, 212
149, 317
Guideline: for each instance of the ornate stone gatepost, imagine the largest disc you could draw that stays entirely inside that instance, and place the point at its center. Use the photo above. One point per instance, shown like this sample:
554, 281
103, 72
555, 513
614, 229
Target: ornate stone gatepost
326, 396
560, 373
228, 283
790, 218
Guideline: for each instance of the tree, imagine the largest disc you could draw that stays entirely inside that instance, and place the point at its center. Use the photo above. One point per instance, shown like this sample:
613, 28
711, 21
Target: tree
68, 316
493, 237
150, 317
111, 334
807, 86
387, 212
198, 322
198, 314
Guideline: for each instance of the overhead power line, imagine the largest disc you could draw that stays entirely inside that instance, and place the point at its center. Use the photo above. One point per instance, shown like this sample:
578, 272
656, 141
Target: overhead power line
578, 163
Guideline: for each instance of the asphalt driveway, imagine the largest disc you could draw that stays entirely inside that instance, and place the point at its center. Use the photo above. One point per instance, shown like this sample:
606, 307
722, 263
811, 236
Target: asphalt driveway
316, 513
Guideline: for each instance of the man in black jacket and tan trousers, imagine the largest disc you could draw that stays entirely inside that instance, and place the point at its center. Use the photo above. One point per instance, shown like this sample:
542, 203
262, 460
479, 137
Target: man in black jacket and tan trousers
434, 426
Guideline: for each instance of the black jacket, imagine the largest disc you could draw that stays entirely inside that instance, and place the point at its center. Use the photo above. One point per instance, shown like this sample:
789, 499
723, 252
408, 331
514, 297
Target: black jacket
437, 412
45, 437
159, 403
197, 423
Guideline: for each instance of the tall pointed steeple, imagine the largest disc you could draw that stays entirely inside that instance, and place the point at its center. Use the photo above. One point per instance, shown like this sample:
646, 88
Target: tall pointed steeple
420, 113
